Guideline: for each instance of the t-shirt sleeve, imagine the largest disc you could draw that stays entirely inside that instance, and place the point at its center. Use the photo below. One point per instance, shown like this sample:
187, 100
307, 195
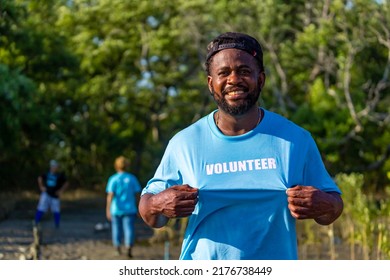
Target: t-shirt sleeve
167, 173
315, 173
110, 185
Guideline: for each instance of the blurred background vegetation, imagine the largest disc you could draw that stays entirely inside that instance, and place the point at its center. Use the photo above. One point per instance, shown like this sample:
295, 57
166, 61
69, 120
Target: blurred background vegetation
83, 81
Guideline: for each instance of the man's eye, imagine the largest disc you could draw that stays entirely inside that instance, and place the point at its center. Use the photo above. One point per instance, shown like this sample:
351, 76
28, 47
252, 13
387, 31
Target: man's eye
245, 72
223, 73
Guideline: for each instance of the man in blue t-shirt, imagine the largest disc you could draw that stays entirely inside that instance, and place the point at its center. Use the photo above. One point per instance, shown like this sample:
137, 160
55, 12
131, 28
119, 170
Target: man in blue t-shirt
121, 209
242, 174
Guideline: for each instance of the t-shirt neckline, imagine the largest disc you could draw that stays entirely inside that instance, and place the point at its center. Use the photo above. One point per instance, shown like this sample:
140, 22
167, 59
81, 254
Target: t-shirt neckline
215, 130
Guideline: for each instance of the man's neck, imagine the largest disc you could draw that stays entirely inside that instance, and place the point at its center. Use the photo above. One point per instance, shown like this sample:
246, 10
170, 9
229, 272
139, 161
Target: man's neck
237, 125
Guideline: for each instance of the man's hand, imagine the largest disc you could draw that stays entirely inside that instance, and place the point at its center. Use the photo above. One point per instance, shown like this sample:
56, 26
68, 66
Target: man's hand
108, 215
177, 201
58, 193
174, 202
307, 202
109, 199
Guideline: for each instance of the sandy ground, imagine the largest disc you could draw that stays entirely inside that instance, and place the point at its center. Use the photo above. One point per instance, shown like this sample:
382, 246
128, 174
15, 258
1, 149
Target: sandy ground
77, 238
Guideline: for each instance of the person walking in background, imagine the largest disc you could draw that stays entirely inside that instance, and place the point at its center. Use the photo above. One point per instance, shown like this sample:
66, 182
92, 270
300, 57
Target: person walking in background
242, 174
51, 184
121, 209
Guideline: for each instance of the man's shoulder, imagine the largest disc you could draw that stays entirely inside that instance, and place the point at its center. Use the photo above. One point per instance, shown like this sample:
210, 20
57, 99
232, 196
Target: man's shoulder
113, 177
62, 175
121, 175
129, 175
283, 125
193, 130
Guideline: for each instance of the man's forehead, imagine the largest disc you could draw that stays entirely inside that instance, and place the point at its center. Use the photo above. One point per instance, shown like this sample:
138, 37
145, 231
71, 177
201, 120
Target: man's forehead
228, 57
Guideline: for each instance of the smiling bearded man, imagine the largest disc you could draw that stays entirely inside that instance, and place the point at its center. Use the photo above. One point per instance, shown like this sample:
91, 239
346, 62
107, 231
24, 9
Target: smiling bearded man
242, 174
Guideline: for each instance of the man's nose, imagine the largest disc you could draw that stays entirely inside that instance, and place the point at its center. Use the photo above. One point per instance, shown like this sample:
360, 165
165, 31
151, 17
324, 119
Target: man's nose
234, 78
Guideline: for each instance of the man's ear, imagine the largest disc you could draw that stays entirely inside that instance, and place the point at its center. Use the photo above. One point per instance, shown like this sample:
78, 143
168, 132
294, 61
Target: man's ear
261, 79
210, 84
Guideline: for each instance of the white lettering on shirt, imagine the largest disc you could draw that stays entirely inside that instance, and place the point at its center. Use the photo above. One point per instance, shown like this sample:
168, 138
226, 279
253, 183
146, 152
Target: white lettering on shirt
240, 166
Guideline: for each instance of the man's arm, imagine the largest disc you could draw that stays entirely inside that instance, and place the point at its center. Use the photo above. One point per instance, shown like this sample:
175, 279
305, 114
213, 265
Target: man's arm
64, 186
41, 184
338, 206
307, 202
150, 213
174, 202
109, 198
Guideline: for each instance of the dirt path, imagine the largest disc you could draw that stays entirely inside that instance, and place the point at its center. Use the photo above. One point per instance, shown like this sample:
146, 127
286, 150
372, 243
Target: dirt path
76, 238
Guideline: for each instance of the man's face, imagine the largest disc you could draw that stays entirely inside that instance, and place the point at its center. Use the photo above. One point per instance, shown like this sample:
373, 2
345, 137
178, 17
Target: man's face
235, 81
54, 168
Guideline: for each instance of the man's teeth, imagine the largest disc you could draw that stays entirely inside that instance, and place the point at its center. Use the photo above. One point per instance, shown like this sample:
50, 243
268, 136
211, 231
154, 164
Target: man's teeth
233, 93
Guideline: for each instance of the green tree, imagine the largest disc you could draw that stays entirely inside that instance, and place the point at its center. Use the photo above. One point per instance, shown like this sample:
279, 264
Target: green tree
35, 67
114, 77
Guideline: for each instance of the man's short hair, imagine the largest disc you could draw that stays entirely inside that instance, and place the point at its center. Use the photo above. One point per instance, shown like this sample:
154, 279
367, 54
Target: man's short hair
121, 163
234, 40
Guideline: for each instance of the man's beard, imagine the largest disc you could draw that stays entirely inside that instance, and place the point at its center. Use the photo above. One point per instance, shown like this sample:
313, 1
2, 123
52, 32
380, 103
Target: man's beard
239, 109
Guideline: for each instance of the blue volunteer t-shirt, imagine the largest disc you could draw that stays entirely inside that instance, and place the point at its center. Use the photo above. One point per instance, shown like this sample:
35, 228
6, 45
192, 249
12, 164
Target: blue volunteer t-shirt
242, 180
124, 186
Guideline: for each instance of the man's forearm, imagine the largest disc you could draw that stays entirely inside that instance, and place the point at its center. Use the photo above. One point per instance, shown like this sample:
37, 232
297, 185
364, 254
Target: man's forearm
329, 218
150, 212
42, 187
64, 186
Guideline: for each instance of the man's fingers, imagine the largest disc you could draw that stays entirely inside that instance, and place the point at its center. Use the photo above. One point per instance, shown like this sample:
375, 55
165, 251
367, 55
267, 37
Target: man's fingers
187, 202
295, 188
299, 212
186, 188
300, 191
185, 212
179, 211
305, 202
188, 196
185, 192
